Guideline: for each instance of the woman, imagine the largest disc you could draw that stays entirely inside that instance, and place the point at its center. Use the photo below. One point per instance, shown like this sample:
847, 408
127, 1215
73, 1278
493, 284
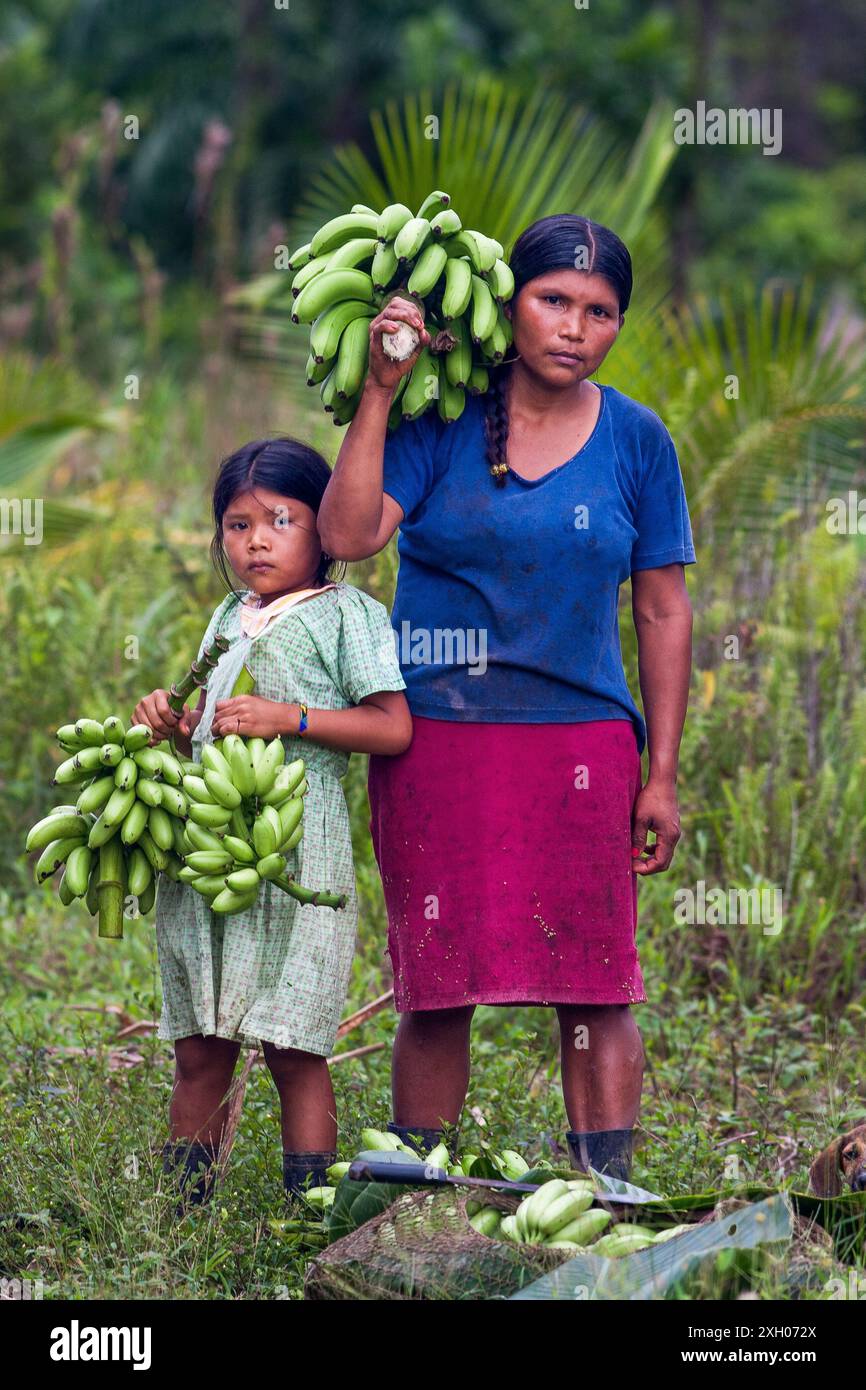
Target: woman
509, 834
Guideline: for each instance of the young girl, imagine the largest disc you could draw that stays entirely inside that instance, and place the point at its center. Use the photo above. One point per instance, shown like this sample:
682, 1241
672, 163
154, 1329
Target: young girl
328, 682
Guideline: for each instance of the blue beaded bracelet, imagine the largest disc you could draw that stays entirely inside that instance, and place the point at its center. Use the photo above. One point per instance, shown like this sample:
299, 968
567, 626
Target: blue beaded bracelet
303, 724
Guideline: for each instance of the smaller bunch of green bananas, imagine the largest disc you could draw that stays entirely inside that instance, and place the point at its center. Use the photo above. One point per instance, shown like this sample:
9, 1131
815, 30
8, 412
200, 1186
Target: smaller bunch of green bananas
557, 1213
356, 262
125, 826
245, 815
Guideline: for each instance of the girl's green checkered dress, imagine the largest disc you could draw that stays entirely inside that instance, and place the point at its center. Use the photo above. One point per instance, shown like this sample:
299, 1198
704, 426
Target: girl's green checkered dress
279, 972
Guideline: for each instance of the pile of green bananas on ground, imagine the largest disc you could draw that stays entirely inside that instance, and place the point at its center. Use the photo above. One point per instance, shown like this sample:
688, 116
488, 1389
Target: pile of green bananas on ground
560, 1214
358, 261
245, 815
125, 827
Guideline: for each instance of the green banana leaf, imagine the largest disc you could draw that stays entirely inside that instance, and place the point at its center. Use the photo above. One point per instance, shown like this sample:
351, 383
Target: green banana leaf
650, 1273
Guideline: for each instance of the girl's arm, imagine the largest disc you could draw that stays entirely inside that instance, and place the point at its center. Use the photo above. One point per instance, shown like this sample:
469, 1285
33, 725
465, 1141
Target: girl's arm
380, 723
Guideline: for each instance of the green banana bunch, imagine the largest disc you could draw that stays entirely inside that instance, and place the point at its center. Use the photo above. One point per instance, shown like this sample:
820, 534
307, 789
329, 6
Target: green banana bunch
246, 812
124, 828
343, 275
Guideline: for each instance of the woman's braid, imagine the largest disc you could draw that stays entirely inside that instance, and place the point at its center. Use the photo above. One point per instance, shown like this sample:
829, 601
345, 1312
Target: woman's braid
496, 425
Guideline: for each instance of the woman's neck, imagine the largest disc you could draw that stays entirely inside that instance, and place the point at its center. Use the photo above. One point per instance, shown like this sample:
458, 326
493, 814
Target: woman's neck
533, 399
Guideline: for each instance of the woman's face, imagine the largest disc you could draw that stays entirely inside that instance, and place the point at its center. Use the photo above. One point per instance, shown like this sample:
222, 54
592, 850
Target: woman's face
277, 534
566, 312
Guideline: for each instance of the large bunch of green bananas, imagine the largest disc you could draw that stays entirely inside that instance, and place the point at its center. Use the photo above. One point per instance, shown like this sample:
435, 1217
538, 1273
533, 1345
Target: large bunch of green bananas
125, 827
356, 262
245, 815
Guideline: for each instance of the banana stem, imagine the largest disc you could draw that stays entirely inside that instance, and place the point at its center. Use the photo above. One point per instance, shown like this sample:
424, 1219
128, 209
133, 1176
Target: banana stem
309, 895
197, 674
111, 888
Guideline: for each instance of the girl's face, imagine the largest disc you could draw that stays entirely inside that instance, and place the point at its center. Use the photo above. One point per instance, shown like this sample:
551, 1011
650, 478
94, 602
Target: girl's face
272, 542
566, 322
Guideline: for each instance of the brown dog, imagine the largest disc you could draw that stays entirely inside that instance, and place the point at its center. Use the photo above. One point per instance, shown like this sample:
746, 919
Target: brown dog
843, 1161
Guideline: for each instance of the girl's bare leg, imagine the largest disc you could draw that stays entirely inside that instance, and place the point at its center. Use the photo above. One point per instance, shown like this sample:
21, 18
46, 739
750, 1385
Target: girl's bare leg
308, 1111
203, 1073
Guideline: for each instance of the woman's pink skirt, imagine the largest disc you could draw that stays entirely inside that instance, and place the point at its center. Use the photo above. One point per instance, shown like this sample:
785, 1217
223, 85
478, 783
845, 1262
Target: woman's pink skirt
505, 856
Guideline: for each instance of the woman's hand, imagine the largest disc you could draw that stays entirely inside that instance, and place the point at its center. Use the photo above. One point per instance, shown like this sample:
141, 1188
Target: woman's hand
155, 711
382, 371
655, 809
247, 715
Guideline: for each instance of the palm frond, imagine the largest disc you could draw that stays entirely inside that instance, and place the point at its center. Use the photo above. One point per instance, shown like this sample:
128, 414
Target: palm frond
30, 451
765, 400
505, 157
59, 525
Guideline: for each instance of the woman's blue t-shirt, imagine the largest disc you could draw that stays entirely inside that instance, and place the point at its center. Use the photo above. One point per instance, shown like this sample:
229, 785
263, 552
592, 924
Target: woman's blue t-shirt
507, 597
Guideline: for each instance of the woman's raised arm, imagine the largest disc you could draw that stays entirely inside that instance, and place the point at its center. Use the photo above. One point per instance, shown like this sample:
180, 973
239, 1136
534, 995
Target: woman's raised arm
356, 518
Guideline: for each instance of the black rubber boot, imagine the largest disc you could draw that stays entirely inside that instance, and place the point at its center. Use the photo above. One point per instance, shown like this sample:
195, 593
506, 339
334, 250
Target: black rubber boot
197, 1177
306, 1169
417, 1137
608, 1150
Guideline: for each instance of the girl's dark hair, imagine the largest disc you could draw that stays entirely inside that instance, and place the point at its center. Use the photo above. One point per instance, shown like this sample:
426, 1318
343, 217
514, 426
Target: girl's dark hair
282, 465
552, 243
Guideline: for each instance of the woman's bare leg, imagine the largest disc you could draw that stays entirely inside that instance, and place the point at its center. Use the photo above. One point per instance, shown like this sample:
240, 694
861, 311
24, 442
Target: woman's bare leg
602, 1065
430, 1066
